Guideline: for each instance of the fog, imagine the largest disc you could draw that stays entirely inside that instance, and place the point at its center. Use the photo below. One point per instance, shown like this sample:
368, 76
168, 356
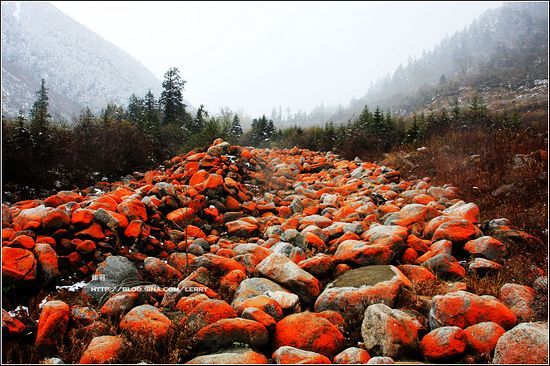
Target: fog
255, 56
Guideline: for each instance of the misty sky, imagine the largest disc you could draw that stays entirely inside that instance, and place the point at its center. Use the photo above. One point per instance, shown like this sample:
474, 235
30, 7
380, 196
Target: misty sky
259, 55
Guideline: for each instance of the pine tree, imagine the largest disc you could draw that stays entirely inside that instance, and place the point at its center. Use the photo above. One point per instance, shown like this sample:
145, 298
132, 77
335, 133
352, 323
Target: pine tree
135, 111
151, 122
270, 129
39, 114
198, 122
171, 98
236, 129
112, 113
413, 131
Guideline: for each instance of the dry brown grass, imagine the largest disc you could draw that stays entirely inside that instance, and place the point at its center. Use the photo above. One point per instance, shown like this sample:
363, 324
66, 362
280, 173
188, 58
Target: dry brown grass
451, 159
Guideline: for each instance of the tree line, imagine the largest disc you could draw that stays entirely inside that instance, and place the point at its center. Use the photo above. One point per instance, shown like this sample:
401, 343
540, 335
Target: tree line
41, 153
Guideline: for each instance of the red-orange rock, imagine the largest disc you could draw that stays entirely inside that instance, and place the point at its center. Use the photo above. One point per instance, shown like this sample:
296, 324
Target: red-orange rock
409, 256
244, 225
261, 317
161, 271
309, 332
205, 313
55, 219
104, 349
133, 210
94, 232
181, 216
288, 274
352, 355
137, 229
264, 303
11, 325
456, 231
82, 217
86, 247
18, 265
526, 343
119, 304
52, 324
225, 332
463, 309
233, 356
48, 265
147, 322
445, 343
417, 274
292, 355
22, 241
389, 332
482, 338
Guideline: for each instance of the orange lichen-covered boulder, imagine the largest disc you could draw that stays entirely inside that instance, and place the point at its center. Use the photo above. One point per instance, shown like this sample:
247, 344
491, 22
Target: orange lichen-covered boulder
352, 292
147, 322
391, 332
527, 343
445, 343
482, 338
160, 271
487, 247
48, 266
264, 303
282, 270
181, 216
225, 332
456, 231
205, 313
520, 299
18, 265
360, 253
417, 274
22, 241
293, 356
133, 209
463, 309
444, 266
321, 265
104, 349
233, 356
52, 324
352, 355
309, 332
82, 217
119, 304
245, 225
11, 325
261, 317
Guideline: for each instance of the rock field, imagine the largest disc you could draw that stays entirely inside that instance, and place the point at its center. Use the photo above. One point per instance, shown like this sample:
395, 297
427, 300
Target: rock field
243, 255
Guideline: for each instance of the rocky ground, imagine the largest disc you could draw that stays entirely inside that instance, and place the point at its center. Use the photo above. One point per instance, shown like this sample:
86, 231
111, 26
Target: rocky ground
242, 255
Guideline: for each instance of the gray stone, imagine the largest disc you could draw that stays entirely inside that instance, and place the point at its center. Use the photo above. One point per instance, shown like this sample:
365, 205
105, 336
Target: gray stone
389, 332
118, 272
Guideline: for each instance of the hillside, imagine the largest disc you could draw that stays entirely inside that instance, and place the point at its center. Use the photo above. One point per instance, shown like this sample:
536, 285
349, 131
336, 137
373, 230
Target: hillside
502, 55
81, 68
244, 255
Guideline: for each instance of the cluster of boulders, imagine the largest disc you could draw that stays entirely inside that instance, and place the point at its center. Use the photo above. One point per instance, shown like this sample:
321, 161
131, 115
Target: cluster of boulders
243, 255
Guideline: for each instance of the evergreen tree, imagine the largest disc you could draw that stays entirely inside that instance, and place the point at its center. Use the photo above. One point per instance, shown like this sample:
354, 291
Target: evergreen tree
198, 122
112, 113
413, 131
171, 98
270, 129
135, 111
151, 122
236, 129
39, 113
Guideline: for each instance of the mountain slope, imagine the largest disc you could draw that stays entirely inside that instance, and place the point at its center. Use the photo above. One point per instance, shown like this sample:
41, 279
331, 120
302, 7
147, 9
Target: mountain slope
502, 54
81, 68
